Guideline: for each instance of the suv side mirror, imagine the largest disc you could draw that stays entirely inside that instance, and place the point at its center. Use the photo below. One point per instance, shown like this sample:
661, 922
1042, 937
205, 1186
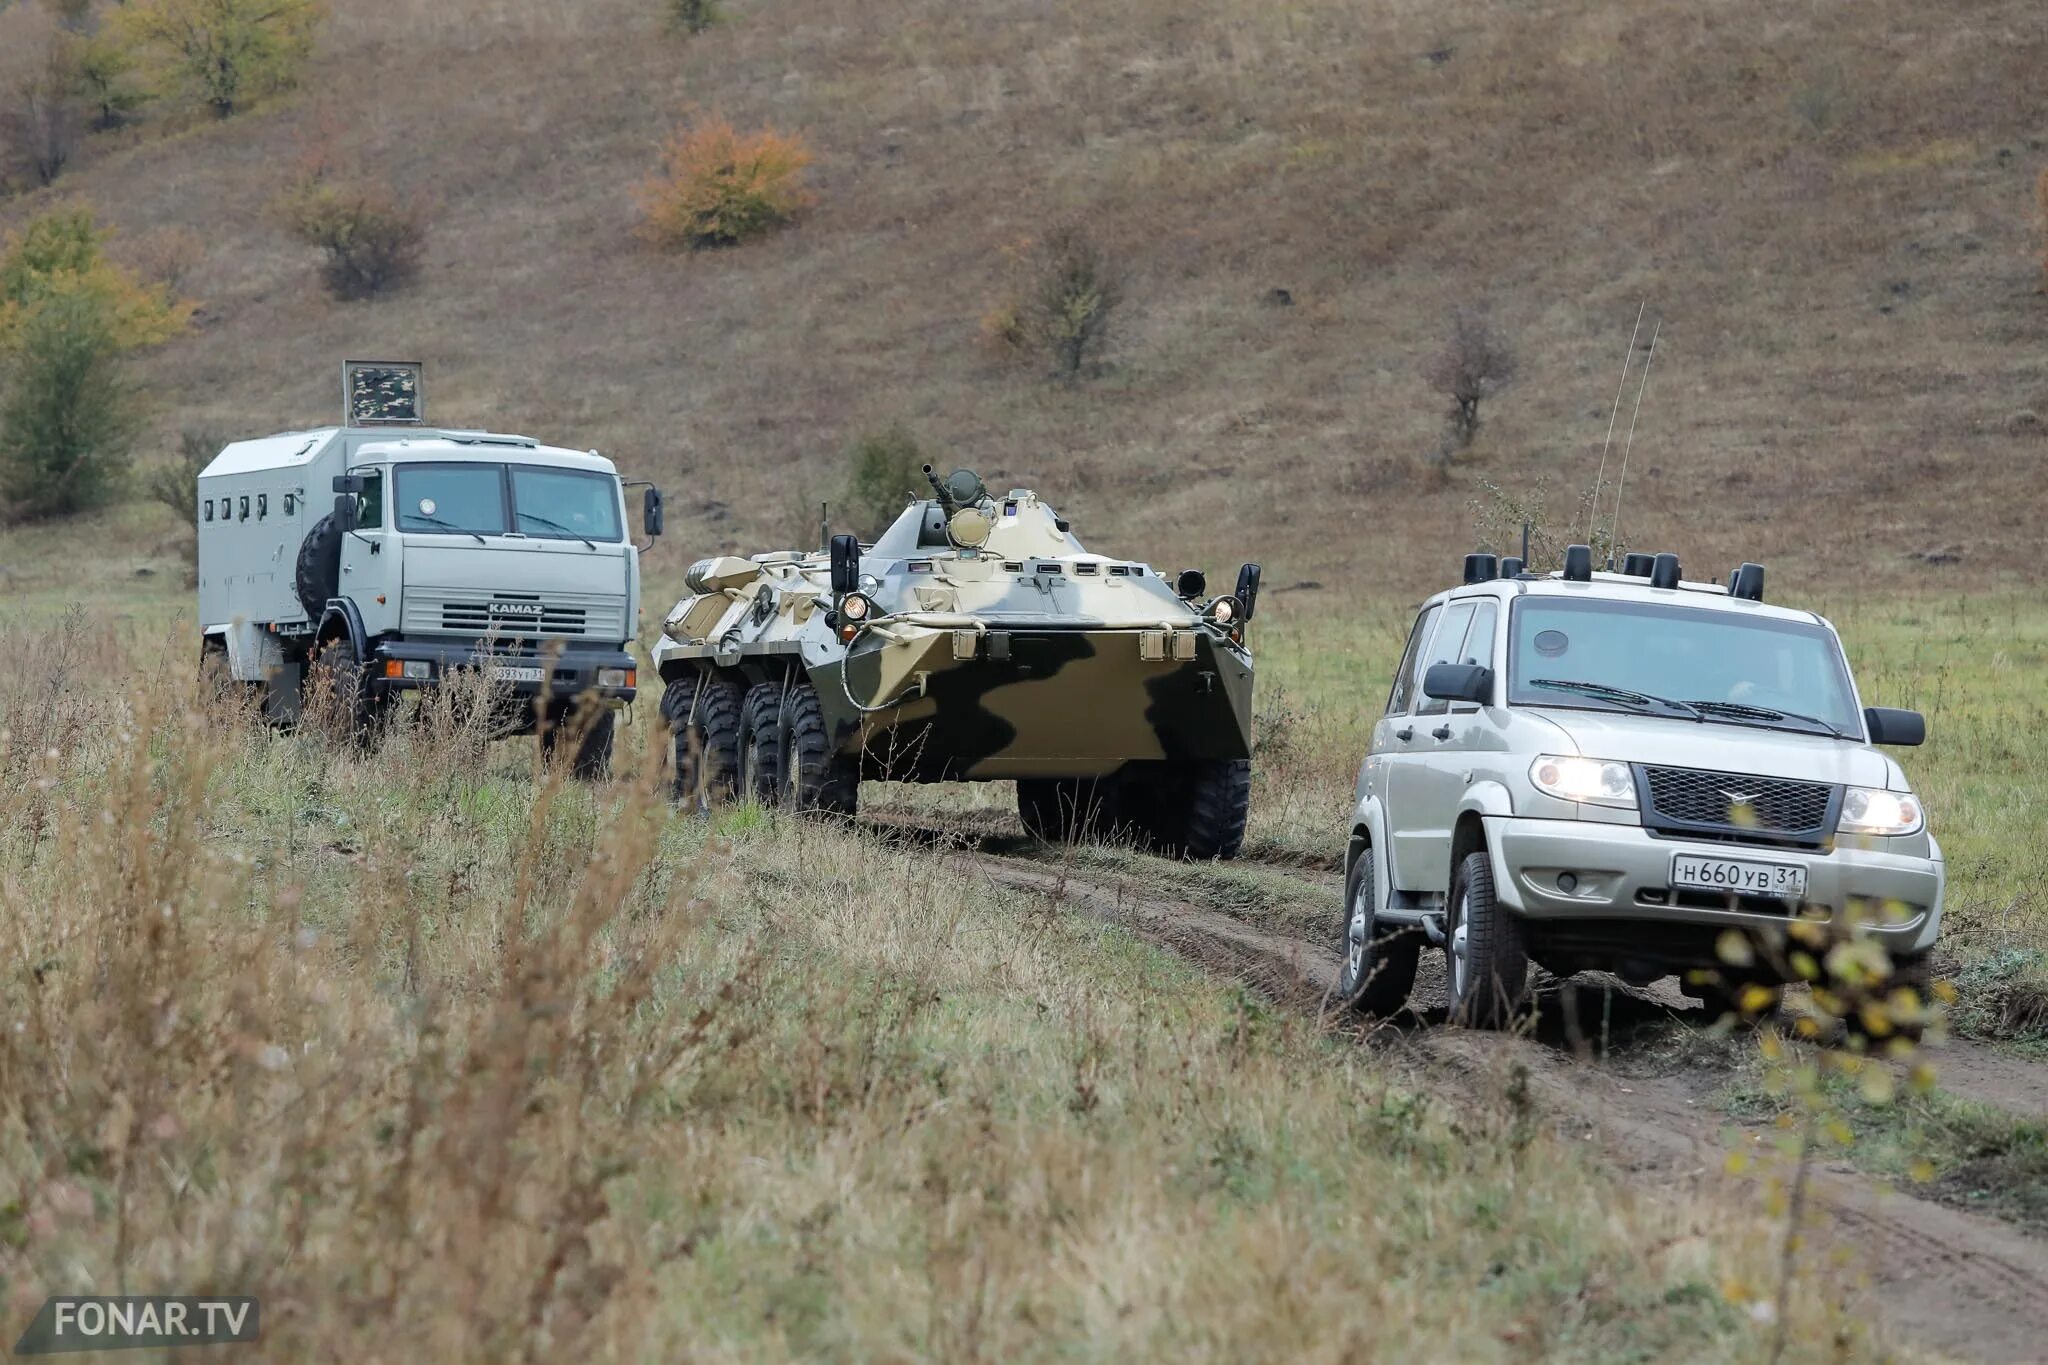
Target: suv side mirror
845, 564
1459, 682
1890, 725
1248, 589
651, 514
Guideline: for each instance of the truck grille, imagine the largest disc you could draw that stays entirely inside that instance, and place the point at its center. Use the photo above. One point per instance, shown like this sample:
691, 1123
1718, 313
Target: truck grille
512, 615
1737, 807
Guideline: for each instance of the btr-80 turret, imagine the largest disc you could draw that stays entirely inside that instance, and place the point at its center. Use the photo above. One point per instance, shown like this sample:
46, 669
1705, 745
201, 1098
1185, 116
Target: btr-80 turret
976, 639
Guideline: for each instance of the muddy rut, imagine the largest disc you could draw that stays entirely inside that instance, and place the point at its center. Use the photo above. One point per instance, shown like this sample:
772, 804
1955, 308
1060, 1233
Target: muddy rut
1961, 1283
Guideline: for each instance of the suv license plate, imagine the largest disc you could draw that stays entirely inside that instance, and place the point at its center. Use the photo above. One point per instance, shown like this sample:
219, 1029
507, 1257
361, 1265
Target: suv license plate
1738, 876
514, 673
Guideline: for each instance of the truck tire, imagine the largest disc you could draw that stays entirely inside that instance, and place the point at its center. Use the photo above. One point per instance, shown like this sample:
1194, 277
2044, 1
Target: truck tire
1379, 965
1063, 810
593, 757
761, 744
338, 671
703, 714
815, 776
317, 576
1486, 949
1197, 810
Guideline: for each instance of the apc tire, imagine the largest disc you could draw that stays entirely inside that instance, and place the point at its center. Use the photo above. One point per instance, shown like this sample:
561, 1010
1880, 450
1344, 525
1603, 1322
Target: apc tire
760, 769
814, 776
1198, 810
1485, 948
704, 714
1061, 810
1378, 966
317, 575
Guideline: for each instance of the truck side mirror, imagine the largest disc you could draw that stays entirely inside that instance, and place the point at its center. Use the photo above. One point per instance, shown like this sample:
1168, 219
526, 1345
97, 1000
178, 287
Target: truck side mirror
1248, 589
348, 483
845, 564
651, 515
345, 510
1459, 682
1890, 725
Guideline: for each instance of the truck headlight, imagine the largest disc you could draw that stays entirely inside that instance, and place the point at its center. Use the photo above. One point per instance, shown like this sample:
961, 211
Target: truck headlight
1872, 810
1592, 781
614, 677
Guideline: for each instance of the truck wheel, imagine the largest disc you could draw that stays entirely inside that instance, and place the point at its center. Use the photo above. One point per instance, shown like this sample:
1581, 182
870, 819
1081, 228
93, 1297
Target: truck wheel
1379, 964
593, 758
761, 744
317, 576
704, 714
1199, 809
1063, 810
815, 776
1489, 960
342, 677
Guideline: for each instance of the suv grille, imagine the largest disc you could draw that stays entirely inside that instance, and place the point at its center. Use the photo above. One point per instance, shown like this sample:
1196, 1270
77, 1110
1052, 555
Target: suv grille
1736, 806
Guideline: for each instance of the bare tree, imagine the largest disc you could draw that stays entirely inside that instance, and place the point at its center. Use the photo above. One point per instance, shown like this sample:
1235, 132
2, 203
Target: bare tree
41, 119
1475, 362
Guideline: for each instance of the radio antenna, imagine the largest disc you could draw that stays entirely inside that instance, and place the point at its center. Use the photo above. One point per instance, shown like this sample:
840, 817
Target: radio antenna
1599, 483
1621, 483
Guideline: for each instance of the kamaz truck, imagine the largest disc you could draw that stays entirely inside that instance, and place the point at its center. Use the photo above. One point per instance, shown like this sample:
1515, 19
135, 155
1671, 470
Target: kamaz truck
389, 554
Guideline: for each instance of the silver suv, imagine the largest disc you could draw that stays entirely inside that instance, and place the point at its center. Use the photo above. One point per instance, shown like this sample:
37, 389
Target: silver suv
1611, 771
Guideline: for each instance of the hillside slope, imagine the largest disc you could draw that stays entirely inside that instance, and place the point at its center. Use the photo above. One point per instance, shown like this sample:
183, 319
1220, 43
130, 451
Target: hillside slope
1830, 207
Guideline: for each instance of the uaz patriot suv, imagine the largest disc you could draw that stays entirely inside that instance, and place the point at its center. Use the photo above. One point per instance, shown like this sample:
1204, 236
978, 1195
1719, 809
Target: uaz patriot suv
1610, 771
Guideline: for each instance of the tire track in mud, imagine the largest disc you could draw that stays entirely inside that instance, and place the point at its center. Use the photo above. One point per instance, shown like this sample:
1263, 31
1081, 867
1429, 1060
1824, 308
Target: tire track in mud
1960, 1283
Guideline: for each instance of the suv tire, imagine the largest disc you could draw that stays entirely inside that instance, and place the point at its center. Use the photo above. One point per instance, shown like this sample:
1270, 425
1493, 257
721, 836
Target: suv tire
760, 770
705, 715
815, 776
1378, 968
1485, 949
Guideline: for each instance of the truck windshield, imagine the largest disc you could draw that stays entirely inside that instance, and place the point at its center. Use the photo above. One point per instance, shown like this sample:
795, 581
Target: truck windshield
493, 499
1720, 667
565, 503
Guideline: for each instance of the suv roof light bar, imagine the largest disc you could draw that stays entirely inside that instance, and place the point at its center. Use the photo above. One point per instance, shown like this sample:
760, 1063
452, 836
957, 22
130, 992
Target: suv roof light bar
1578, 564
1747, 583
1664, 571
1479, 567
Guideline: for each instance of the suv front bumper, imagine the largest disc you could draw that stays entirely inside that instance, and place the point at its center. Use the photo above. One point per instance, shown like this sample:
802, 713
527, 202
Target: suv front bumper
1623, 882
562, 676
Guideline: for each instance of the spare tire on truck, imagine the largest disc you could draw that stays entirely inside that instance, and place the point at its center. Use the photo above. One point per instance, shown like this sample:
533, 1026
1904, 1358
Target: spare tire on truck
318, 574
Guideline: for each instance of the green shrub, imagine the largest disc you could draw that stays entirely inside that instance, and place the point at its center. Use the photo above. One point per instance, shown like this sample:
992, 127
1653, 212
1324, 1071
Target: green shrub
694, 16
372, 239
882, 473
222, 53
66, 414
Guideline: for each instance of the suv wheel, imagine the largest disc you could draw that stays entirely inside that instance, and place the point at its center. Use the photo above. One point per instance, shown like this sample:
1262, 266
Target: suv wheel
1379, 965
1488, 959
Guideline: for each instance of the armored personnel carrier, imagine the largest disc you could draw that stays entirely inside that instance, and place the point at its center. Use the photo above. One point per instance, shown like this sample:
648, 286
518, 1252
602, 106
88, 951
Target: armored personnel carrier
976, 639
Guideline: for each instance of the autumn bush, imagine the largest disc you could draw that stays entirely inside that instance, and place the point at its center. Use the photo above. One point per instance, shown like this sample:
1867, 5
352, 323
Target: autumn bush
1064, 290
718, 186
372, 239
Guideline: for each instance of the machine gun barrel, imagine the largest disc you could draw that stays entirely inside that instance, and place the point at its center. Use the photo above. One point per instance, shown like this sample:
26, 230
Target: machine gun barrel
939, 487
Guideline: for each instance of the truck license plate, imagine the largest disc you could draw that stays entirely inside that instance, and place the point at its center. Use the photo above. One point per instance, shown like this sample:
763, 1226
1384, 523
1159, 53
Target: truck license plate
1738, 875
514, 673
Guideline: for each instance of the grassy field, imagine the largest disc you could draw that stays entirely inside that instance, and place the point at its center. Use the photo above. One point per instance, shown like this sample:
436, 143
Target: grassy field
424, 1050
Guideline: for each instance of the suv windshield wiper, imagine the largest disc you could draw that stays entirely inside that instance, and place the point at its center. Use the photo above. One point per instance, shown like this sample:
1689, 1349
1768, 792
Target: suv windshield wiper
548, 521
1620, 696
1740, 711
447, 525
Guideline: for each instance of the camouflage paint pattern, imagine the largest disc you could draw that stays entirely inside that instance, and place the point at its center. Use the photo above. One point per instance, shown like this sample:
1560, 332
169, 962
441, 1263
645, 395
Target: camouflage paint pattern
1022, 656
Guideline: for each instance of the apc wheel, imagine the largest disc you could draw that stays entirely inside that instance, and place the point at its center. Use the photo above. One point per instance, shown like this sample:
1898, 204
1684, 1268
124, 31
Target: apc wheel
705, 715
1489, 959
1379, 964
1069, 809
761, 744
815, 776
1198, 810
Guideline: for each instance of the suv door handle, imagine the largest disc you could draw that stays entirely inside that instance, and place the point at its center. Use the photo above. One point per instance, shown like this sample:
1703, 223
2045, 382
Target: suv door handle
1405, 733
1441, 732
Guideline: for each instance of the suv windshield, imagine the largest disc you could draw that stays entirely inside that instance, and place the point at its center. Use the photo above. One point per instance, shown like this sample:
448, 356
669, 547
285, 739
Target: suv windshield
492, 499
1721, 667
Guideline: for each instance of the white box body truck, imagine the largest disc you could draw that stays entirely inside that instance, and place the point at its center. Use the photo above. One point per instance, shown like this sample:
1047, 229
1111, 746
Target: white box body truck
393, 553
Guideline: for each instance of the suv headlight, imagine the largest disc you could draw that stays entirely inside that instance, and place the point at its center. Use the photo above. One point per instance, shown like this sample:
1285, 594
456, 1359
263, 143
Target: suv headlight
1593, 781
1872, 810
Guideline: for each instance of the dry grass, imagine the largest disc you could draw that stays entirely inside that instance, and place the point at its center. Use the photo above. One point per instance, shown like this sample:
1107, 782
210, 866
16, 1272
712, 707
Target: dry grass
440, 1060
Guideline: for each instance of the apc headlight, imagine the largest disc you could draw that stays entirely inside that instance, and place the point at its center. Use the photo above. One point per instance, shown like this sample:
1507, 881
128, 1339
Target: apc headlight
855, 607
1872, 810
1593, 781
1224, 612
